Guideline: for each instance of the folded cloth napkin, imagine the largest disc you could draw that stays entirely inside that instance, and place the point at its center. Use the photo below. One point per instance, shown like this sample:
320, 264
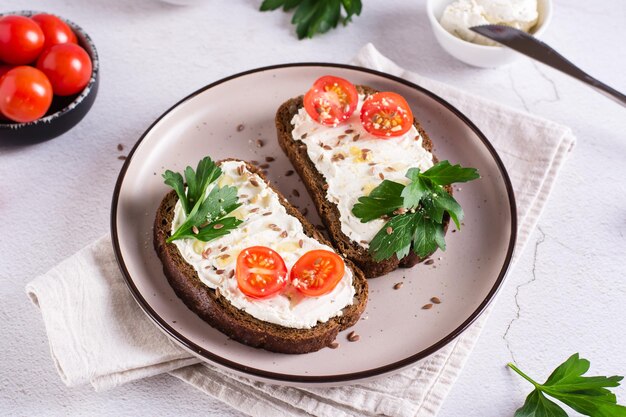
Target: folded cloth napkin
98, 334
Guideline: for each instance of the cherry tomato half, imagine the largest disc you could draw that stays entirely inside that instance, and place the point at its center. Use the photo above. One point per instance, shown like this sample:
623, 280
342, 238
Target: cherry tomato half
68, 67
261, 272
25, 94
21, 40
317, 272
386, 115
55, 30
331, 100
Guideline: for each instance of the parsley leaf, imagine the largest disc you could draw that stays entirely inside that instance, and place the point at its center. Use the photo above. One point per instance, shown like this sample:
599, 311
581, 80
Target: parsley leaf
205, 212
587, 395
445, 173
381, 201
316, 16
417, 210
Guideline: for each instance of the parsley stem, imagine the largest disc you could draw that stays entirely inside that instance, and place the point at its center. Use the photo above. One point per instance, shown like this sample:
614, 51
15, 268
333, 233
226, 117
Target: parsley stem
522, 374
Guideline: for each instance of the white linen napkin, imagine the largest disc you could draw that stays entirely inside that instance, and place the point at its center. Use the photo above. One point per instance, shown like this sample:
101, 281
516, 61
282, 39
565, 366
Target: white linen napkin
99, 335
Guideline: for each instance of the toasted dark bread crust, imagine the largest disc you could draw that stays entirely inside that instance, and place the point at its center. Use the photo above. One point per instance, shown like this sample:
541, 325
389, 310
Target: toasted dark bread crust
238, 325
314, 181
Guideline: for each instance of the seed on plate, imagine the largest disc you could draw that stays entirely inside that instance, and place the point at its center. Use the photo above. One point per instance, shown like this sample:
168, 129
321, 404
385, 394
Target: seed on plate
381, 175
269, 213
274, 227
224, 249
398, 285
348, 131
283, 234
120, 147
259, 143
356, 137
301, 243
305, 211
219, 271
254, 210
341, 136
254, 182
325, 186
320, 158
121, 157
231, 273
206, 253
390, 169
429, 262
218, 226
224, 256
304, 135
353, 337
269, 159
334, 345
327, 147
435, 300
240, 170
195, 230
296, 193
289, 173
389, 230
427, 306
264, 166
364, 241
240, 128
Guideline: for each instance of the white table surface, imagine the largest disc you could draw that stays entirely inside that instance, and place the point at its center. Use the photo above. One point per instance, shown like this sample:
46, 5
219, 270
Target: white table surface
566, 294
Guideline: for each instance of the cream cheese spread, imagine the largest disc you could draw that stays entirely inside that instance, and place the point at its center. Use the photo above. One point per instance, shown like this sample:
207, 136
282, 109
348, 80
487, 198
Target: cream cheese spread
354, 162
215, 261
460, 15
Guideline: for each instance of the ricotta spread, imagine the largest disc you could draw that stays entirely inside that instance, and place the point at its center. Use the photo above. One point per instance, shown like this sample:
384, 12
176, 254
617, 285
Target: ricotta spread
460, 15
278, 231
354, 162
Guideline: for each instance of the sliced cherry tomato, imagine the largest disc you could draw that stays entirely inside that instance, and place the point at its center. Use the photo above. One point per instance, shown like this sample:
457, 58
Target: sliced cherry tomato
25, 94
331, 100
261, 272
386, 115
68, 67
317, 272
21, 40
55, 30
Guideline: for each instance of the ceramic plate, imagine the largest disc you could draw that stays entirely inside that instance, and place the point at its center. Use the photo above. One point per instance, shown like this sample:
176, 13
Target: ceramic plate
225, 119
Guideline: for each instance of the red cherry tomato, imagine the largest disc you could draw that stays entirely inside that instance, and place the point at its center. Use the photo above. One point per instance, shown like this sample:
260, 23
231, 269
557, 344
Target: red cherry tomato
55, 30
331, 100
261, 272
4, 69
68, 67
317, 272
386, 115
25, 94
21, 40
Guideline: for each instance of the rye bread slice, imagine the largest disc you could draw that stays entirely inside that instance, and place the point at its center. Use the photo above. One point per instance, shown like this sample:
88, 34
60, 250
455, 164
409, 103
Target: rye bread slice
314, 181
212, 307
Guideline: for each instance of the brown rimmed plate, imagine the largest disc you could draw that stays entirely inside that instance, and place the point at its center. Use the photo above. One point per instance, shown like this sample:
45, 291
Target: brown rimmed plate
233, 117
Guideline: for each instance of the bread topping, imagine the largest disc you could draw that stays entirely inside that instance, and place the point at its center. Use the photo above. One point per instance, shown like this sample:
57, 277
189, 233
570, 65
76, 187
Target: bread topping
266, 223
460, 15
354, 162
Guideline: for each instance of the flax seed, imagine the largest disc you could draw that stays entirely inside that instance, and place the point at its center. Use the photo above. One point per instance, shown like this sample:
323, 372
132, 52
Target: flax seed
269, 159
254, 210
283, 234
353, 337
348, 131
224, 249
121, 157
301, 243
231, 273
206, 253
269, 213
195, 230
381, 175
327, 147
333, 345
264, 166
289, 173
296, 193
259, 143
429, 262
218, 226
120, 147
341, 136
398, 285
427, 306
304, 135
435, 300
219, 271
240, 128
254, 182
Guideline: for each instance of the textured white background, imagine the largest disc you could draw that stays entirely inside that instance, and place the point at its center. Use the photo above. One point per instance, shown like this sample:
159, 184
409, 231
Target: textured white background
567, 293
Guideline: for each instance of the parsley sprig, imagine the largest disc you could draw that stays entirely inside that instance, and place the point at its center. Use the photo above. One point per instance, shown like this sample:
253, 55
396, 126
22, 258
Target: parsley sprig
206, 213
416, 210
316, 16
586, 394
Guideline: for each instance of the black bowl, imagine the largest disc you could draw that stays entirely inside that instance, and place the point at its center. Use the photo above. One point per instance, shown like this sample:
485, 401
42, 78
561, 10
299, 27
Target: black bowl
65, 112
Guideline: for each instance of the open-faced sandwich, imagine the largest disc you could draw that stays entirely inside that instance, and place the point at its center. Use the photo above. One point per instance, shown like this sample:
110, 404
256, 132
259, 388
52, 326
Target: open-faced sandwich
247, 262
384, 197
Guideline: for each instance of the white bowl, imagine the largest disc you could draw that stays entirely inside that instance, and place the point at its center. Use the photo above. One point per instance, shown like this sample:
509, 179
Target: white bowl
480, 55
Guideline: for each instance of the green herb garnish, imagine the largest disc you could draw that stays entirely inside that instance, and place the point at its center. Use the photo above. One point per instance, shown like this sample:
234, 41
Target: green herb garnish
206, 213
586, 394
316, 16
416, 210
